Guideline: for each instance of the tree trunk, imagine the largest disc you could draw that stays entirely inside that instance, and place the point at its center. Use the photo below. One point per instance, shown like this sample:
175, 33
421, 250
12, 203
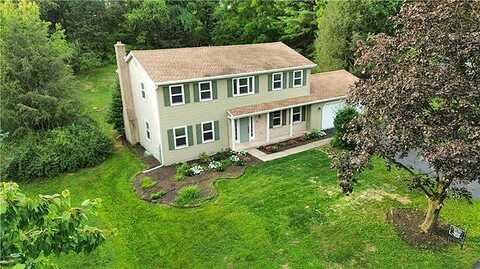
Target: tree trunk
433, 212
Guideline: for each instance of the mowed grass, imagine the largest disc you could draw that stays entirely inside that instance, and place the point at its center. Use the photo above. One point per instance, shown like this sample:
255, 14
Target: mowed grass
288, 212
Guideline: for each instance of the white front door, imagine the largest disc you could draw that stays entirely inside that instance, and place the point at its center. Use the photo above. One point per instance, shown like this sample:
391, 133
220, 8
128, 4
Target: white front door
329, 111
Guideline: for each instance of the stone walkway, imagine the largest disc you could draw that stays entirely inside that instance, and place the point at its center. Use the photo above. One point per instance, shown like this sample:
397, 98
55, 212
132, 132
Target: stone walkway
273, 156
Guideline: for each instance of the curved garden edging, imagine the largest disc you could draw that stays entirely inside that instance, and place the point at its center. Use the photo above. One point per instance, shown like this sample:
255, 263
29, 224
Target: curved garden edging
162, 180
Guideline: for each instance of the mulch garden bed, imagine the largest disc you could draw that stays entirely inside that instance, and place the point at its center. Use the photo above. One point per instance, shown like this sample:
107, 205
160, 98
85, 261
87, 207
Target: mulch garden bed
295, 142
406, 222
164, 178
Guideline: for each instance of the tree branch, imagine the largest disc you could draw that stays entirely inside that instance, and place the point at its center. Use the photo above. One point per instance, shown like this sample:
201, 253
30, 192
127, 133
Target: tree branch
429, 193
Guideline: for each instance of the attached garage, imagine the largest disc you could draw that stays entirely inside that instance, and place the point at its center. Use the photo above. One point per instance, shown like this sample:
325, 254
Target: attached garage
329, 111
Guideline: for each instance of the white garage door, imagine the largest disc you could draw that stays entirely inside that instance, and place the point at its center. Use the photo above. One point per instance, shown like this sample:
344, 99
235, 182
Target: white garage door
328, 113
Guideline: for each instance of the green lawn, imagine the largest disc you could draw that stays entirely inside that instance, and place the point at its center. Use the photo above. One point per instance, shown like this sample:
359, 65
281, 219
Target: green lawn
285, 212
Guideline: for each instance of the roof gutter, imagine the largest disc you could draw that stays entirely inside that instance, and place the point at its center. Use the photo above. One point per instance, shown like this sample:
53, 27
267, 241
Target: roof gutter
232, 75
285, 107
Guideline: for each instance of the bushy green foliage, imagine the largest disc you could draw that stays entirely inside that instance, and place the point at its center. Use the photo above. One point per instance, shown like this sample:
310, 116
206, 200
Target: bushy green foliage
187, 195
33, 229
147, 183
36, 83
204, 158
158, 195
343, 23
342, 118
115, 114
314, 134
182, 170
49, 153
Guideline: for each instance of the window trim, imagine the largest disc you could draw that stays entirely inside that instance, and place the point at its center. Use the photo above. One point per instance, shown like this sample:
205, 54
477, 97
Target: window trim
185, 135
251, 88
200, 91
301, 78
148, 134
299, 113
177, 94
281, 81
273, 118
213, 132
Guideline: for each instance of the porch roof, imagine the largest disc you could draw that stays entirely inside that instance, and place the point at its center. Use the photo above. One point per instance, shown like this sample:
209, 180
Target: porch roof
327, 86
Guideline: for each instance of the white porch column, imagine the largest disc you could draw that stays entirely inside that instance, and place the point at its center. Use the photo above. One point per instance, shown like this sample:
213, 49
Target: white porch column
233, 133
291, 120
268, 127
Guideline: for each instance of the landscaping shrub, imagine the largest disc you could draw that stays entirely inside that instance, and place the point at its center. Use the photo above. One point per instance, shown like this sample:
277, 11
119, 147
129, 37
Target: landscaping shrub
222, 155
49, 153
218, 166
157, 195
147, 183
115, 114
187, 195
340, 122
204, 158
182, 170
314, 134
196, 170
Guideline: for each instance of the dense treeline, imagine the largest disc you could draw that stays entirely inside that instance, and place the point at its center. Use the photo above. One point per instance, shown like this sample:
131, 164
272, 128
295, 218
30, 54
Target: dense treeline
325, 31
43, 130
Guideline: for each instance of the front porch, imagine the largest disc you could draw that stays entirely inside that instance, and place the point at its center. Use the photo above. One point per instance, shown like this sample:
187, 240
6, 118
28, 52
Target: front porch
253, 131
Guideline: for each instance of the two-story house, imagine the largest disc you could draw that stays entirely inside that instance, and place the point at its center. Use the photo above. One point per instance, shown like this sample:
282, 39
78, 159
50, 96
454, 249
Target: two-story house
181, 102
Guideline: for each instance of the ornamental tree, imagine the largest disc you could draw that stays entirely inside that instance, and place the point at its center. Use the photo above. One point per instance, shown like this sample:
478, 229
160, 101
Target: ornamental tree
33, 229
421, 91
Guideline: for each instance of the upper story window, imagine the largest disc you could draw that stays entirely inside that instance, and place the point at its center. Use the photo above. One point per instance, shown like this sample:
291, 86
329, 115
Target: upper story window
142, 87
208, 132
276, 118
180, 137
277, 81
297, 78
297, 114
243, 86
147, 130
205, 90
177, 96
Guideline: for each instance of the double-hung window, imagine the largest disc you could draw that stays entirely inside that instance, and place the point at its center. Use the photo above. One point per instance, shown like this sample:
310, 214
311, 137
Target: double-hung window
277, 81
243, 86
205, 89
147, 130
276, 118
142, 86
297, 78
177, 95
208, 132
180, 137
297, 114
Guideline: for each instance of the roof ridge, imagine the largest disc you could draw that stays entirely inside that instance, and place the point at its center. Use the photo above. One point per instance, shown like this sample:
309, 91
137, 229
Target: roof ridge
213, 46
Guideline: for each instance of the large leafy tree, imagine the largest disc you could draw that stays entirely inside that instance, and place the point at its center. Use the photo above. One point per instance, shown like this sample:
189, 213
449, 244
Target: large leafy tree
421, 92
35, 81
342, 23
33, 229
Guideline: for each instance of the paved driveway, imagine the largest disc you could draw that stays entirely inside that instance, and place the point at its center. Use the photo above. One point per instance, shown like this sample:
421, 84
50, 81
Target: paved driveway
415, 161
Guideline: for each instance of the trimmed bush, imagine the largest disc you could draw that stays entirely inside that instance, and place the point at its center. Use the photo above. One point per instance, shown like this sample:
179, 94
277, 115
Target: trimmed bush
182, 170
158, 195
187, 195
314, 134
340, 123
52, 152
147, 183
115, 114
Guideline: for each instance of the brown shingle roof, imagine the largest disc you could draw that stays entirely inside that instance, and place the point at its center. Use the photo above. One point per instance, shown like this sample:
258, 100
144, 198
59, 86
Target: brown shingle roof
323, 86
164, 65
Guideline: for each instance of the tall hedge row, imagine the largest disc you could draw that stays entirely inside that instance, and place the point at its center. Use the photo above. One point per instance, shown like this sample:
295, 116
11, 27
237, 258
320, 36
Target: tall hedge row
49, 153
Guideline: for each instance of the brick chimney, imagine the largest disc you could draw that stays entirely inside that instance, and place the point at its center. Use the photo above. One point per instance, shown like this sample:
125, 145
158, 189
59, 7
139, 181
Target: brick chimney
129, 118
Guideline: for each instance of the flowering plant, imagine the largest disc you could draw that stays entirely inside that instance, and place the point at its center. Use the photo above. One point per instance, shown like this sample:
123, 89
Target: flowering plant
216, 165
197, 169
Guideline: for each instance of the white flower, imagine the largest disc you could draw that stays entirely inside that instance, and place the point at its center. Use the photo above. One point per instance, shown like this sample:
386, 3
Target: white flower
196, 169
214, 165
234, 158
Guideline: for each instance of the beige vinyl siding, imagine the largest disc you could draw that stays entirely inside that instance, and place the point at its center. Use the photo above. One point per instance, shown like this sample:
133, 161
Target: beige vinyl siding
196, 112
